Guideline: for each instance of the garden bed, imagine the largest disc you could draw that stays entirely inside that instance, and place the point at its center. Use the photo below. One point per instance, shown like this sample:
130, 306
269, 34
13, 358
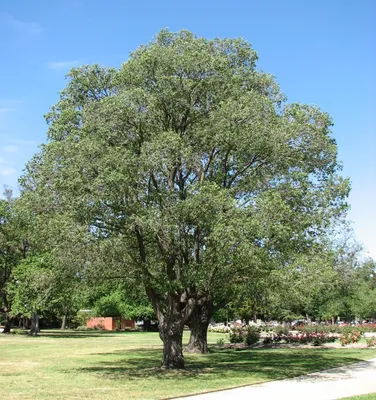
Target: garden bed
279, 345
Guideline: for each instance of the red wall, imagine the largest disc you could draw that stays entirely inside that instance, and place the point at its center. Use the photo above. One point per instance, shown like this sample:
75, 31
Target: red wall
109, 323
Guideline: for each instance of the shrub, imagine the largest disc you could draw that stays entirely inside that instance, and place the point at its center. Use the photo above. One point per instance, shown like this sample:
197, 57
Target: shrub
82, 328
367, 327
80, 318
251, 335
268, 340
350, 335
281, 330
371, 342
248, 335
315, 338
236, 335
219, 329
220, 342
315, 329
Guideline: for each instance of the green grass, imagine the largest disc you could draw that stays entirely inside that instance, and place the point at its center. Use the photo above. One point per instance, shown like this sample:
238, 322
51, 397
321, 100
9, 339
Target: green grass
371, 396
100, 365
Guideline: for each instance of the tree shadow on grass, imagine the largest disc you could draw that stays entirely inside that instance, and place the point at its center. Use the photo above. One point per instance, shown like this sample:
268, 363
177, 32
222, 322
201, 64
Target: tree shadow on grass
262, 365
79, 334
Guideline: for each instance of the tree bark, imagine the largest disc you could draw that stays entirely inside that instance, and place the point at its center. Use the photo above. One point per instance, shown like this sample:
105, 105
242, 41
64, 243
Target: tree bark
34, 330
63, 322
7, 323
146, 324
172, 314
198, 324
171, 334
26, 322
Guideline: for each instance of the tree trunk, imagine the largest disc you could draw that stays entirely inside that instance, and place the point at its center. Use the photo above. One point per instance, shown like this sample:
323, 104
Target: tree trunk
146, 325
172, 313
63, 322
308, 319
34, 330
26, 322
7, 323
198, 324
171, 334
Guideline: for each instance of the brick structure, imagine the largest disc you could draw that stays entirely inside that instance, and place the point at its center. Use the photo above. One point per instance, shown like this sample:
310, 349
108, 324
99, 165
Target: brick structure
110, 323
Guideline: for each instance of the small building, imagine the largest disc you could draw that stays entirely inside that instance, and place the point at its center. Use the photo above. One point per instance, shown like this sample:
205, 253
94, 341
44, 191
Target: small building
110, 323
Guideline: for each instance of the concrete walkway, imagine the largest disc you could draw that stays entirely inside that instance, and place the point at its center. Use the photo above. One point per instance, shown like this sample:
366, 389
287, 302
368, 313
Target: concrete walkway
336, 383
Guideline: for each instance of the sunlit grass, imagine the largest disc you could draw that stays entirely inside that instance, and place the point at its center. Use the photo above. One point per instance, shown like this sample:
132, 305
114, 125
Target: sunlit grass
99, 365
371, 396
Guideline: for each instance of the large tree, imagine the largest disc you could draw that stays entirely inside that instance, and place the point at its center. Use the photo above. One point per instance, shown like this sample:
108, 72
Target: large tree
173, 159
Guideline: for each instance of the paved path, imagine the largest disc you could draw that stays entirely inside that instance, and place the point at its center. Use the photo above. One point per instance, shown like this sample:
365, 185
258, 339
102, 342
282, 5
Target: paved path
335, 383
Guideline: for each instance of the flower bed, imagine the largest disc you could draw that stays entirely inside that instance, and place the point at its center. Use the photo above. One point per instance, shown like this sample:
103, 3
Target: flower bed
350, 335
315, 338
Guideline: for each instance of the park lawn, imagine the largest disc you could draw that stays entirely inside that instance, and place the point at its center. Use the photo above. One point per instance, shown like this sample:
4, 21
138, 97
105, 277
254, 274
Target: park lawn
101, 365
371, 396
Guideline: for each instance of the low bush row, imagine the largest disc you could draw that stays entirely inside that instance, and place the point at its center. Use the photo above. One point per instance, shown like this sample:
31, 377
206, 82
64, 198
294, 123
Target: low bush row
337, 328
315, 338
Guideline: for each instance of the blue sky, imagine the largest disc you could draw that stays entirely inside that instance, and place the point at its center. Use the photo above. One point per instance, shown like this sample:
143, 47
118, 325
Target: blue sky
321, 52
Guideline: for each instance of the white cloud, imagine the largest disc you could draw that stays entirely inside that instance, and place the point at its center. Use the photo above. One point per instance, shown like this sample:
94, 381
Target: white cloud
6, 171
61, 65
31, 28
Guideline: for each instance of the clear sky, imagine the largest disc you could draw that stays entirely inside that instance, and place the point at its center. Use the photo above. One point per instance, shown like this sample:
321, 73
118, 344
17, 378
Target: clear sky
321, 52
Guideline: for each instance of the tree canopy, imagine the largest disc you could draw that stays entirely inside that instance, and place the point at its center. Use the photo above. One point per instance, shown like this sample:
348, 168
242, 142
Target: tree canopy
190, 166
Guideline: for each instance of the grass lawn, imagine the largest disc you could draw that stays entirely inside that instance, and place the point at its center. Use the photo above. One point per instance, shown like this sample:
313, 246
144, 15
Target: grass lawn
100, 365
371, 396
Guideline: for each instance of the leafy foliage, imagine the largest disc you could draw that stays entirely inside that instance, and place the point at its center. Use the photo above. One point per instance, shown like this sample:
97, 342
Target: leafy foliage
185, 170
248, 335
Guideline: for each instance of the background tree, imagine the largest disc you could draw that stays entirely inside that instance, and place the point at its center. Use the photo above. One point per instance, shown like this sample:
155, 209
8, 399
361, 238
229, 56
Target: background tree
38, 287
32, 288
114, 299
13, 248
170, 159
363, 301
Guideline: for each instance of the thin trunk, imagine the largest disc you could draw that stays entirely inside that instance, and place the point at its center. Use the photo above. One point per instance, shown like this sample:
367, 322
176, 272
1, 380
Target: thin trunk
198, 324
308, 319
146, 325
8, 318
34, 330
7, 323
64, 322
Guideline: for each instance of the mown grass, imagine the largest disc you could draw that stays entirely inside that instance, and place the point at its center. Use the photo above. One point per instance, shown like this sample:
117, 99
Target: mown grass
100, 365
371, 396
